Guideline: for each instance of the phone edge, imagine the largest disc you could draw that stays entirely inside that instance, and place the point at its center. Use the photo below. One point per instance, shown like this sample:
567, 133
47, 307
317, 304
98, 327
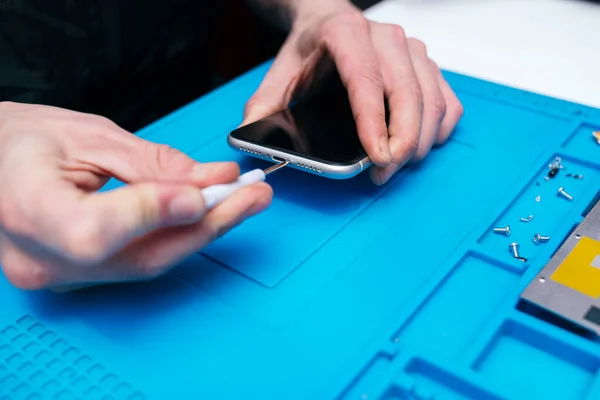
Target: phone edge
299, 163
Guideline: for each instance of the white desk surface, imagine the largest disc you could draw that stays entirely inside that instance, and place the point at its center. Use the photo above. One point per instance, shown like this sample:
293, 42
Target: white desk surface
550, 47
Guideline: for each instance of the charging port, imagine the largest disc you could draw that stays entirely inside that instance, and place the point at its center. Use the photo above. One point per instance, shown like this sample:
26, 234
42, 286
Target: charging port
278, 159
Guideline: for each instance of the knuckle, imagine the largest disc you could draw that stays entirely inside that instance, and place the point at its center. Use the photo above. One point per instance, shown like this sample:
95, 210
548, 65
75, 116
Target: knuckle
101, 120
408, 146
417, 45
458, 110
438, 108
396, 31
33, 277
254, 102
165, 157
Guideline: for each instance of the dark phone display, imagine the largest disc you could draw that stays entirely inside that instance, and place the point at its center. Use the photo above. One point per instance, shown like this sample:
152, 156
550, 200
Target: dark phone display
321, 128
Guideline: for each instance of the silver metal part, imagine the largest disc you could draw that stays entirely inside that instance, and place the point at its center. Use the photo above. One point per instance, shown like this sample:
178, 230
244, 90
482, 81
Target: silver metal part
562, 193
331, 171
514, 249
276, 167
538, 199
503, 231
528, 219
552, 296
537, 238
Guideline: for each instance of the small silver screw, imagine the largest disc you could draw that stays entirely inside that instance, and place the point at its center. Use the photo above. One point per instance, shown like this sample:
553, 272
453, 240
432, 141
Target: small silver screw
537, 238
528, 219
505, 231
514, 249
561, 192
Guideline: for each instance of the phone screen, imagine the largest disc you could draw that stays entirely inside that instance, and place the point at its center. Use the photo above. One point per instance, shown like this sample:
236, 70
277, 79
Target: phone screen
321, 128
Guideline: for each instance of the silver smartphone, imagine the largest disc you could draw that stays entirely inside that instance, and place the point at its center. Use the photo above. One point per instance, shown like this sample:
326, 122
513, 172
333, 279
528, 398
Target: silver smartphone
318, 136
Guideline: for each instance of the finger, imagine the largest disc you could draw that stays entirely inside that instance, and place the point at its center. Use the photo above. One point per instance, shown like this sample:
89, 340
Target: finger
86, 231
289, 74
116, 217
107, 151
404, 95
151, 255
162, 163
347, 38
454, 108
275, 91
434, 104
25, 272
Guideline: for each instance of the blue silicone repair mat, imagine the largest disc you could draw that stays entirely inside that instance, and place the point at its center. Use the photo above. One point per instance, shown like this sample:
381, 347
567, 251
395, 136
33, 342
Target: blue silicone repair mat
341, 290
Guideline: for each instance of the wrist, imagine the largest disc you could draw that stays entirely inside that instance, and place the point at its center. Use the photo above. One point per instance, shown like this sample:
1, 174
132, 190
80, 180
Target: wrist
306, 11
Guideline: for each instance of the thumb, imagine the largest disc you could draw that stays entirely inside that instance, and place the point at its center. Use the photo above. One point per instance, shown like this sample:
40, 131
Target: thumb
277, 88
116, 217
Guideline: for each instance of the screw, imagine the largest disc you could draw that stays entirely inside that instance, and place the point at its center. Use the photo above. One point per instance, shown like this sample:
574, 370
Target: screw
514, 249
537, 238
561, 192
505, 231
528, 219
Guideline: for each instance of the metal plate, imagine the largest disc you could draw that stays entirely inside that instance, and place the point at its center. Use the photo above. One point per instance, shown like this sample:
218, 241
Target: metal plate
569, 285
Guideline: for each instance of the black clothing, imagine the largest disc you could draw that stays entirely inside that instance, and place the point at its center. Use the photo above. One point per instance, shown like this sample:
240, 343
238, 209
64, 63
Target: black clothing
129, 60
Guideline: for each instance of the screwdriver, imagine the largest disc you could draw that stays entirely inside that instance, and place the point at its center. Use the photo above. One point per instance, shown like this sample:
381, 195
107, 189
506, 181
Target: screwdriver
215, 194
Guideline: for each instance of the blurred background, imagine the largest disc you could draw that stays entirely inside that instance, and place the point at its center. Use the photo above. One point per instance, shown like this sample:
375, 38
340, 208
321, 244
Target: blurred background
245, 40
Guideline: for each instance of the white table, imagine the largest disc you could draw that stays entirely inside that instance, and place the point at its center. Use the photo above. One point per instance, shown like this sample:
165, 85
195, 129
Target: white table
550, 47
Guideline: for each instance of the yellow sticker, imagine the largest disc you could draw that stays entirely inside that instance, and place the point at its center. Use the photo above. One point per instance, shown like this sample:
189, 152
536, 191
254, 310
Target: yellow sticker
578, 270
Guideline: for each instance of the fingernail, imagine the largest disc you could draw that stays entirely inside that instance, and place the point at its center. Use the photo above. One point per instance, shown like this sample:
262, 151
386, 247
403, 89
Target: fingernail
384, 149
186, 207
386, 174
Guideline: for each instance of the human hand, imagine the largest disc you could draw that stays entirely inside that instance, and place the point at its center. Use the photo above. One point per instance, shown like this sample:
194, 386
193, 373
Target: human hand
57, 231
375, 62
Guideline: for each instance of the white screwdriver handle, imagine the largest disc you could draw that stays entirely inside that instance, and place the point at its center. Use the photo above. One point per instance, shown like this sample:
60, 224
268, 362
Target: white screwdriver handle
215, 194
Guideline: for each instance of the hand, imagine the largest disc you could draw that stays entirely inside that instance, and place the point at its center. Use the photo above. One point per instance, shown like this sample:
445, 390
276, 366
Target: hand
56, 230
375, 62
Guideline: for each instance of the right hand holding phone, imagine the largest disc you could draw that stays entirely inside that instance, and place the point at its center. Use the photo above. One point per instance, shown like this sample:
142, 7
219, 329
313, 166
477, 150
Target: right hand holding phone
375, 61
57, 231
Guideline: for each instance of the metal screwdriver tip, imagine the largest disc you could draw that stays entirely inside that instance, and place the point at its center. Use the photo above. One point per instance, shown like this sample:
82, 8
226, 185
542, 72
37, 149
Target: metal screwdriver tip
276, 167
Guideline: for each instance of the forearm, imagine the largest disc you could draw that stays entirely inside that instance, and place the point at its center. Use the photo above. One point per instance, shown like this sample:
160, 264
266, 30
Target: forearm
285, 13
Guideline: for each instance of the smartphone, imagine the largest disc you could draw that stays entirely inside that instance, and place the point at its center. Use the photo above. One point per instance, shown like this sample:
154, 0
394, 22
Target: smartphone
317, 135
